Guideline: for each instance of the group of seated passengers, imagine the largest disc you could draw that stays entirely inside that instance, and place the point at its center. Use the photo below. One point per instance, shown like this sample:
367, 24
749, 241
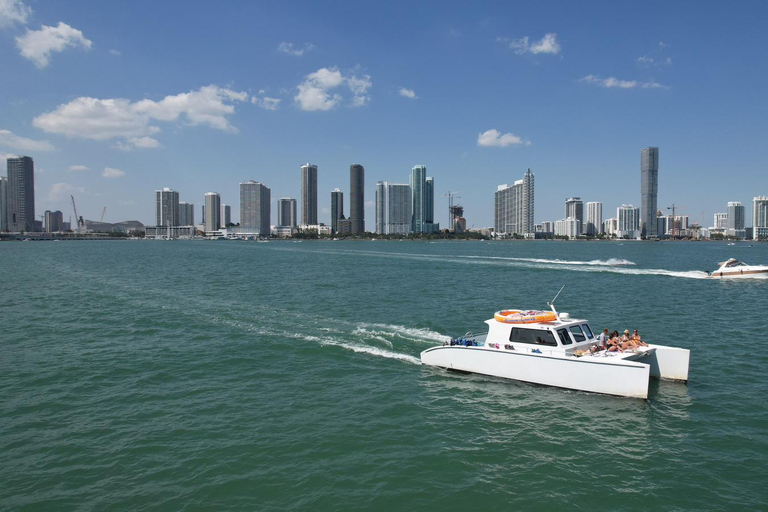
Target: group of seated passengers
614, 343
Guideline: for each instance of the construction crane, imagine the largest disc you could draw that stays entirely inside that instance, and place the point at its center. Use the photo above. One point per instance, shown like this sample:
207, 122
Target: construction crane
451, 196
78, 219
674, 209
103, 213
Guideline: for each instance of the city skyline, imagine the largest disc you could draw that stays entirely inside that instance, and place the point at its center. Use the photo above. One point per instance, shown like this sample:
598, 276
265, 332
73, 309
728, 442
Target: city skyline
107, 114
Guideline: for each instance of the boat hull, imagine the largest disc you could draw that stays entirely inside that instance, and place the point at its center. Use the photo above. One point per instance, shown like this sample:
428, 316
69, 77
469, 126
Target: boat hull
746, 274
610, 376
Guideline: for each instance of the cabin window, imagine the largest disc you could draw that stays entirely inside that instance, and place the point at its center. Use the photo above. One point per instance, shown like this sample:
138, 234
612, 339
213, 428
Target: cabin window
564, 338
588, 331
578, 334
532, 336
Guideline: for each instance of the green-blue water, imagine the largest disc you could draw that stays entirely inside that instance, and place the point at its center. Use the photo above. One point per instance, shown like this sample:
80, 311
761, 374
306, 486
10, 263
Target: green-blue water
285, 376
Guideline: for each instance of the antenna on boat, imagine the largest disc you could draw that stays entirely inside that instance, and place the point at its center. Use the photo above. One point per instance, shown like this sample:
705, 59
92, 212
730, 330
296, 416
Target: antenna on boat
551, 304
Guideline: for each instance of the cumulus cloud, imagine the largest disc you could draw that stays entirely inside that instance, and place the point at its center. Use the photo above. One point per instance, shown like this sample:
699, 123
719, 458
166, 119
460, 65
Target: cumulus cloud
290, 49
315, 91
135, 122
78, 168
611, 83
408, 93
12, 141
266, 102
547, 44
37, 45
111, 172
13, 11
494, 138
60, 191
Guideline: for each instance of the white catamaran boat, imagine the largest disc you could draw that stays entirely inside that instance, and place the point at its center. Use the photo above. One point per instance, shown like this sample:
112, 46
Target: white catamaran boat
735, 269
553, 349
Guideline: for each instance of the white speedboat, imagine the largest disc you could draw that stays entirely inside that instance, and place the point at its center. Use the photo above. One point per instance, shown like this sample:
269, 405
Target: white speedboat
555, 350
735, 269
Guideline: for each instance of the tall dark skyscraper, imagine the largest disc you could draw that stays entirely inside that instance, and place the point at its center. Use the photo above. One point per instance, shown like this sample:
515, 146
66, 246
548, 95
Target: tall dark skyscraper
337, 209
357, 198
166, 207
3, 203
21, 194
255, 207
308, 194
649, 190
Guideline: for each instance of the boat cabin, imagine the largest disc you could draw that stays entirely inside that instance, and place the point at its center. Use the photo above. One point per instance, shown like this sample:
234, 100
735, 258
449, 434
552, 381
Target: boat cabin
563, 335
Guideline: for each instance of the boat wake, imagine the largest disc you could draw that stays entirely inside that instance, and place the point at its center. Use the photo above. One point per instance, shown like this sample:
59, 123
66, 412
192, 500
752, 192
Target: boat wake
610, 262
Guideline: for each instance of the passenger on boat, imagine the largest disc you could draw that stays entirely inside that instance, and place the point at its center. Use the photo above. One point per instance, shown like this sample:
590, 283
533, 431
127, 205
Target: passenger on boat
614, 343
637, 340
602, 339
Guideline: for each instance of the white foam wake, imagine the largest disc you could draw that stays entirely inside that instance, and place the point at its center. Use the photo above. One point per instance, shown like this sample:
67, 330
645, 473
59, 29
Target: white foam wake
611, 262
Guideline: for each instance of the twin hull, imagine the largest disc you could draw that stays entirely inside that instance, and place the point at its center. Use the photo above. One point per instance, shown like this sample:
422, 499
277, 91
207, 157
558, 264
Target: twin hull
607, 375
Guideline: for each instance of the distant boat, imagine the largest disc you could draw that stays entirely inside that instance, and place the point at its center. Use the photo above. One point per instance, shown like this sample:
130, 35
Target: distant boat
735, 269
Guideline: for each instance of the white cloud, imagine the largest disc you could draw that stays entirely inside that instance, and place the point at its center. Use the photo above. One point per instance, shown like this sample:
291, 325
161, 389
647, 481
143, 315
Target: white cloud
60, 191
37, 45
10, 140
266, 102
6, 156
494, 138
118, 118
111, 172
611, 83
290, 49
13, 11
116, 53
408, 93
547, 44
78, 168
144, 142
314, 92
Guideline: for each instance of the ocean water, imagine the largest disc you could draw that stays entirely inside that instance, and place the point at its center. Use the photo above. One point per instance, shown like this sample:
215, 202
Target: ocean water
140, 375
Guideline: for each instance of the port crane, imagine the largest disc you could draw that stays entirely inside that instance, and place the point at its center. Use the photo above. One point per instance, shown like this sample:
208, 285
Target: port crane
78, 219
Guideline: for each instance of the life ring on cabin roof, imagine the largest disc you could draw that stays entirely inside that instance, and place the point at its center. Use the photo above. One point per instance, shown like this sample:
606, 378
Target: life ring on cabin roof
516, 316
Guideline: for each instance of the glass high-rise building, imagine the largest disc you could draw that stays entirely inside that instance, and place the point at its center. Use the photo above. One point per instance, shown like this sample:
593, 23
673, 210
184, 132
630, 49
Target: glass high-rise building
574, 209
760, 218
594, 223
286, 212
514, 207
21, 194
337, 209
422, 201
186, 214
309, 194
53, 221
649, 190
736, 215
393, 208
429, 200
226, 215
255, 208
166, 207
357, 198
212, 212
3, 203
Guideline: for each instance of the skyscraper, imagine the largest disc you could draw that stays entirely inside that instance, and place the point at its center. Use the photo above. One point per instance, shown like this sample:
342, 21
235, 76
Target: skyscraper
418, 204
286, 212
721, 221
54, 221
393, 208
186, 214
225, 217
255, 208
3, 203
357, 198
429, 200
628, 224
212, 211
736, 215
337, 209
574, 209
594, 219
166, 207
760, 218
514, 207
21, 194
649, 190
308, 194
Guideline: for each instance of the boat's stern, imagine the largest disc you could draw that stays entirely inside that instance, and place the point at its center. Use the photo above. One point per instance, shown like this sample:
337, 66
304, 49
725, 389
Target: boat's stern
669, 363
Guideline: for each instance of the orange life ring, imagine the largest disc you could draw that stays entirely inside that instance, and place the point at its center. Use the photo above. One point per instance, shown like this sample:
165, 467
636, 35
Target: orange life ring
516, 316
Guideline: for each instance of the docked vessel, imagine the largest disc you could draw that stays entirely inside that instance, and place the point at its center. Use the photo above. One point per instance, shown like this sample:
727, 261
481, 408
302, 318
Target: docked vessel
733, 268
558, 351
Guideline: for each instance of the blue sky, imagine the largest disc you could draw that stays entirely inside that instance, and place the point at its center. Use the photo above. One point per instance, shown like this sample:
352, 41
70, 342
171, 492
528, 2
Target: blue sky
115, 100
